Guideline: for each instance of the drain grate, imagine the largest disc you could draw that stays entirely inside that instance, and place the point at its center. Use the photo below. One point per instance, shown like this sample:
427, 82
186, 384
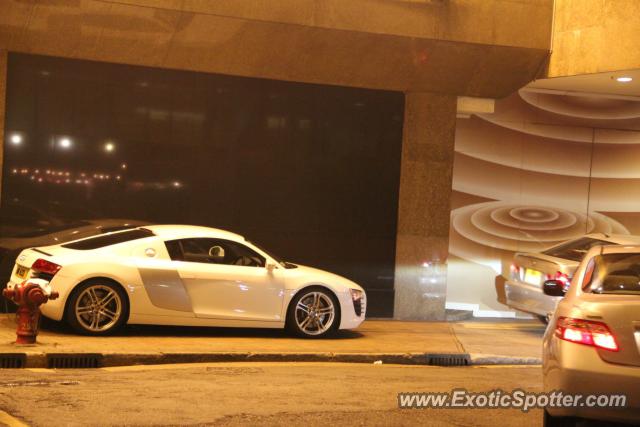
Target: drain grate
13, 360
455, 359
74, 361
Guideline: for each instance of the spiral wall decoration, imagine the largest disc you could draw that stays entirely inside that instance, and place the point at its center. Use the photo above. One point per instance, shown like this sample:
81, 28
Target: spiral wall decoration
544, 168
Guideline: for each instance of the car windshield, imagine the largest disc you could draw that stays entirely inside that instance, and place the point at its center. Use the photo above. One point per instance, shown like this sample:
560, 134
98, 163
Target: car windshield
615, 274
276, 258
575, 250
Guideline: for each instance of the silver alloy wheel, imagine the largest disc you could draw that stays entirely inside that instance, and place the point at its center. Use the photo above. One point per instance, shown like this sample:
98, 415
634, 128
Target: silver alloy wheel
315, 313
98, 308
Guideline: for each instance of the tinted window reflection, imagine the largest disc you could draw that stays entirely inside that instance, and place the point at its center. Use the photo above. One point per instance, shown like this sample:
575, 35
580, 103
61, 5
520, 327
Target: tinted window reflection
309, 171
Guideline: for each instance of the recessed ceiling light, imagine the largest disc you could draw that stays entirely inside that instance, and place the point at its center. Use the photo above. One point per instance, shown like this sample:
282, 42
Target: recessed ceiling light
624, 79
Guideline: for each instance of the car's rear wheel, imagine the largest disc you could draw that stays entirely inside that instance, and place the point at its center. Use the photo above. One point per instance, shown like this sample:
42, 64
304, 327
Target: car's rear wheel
97, 307
313, 313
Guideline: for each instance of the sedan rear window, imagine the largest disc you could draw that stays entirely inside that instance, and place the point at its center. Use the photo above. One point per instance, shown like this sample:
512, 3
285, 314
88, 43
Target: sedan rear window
615, 274
109, 239
575, 250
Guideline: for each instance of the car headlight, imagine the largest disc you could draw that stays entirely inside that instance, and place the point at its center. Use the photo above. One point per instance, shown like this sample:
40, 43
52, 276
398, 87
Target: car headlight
356, 294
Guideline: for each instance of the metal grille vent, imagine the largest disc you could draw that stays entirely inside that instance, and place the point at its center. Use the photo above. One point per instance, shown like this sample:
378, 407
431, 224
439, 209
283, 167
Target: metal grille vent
73, 361
12, 361
449, 360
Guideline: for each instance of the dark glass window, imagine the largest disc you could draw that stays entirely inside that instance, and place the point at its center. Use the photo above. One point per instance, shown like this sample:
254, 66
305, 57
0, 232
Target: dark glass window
616, 274
177, 147
214, 251
109, 239
575, 250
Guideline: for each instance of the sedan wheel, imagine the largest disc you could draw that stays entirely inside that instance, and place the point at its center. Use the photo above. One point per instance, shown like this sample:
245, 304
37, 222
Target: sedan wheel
313, 313
97, 308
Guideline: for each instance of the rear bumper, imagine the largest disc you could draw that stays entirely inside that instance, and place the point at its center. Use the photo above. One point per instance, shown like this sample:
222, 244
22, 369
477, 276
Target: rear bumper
528, 298
53, 309
577, 369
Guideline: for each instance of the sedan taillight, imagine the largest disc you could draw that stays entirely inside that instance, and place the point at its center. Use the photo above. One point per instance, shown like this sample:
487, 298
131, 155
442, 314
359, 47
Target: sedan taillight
587, 332
515, 272
564, 279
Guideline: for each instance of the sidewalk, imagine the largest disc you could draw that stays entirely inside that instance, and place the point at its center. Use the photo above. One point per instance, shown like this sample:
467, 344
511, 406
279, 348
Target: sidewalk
480, 342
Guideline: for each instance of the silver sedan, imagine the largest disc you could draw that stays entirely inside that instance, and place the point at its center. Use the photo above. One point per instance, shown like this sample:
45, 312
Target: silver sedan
592, 344
529, 271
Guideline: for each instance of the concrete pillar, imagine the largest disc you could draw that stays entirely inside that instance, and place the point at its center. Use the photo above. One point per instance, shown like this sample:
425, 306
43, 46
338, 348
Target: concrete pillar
3, 97
424, 206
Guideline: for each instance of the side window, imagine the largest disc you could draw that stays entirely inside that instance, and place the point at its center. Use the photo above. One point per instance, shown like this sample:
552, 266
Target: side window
588, 274
214, 251
174, 249
244, 256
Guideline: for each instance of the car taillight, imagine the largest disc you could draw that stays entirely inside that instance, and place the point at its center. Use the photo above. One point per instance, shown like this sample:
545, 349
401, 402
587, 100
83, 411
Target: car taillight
562, 278
515, 271
42, 266
588, 332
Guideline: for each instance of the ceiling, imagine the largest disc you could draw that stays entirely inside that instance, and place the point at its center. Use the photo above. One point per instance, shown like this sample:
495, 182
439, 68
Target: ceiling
599, 83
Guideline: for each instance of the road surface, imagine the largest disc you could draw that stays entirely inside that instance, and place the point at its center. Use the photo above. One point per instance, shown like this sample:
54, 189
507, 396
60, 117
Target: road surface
238, 394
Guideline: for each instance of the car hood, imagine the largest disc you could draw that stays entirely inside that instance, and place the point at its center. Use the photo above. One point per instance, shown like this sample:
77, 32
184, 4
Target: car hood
311, 274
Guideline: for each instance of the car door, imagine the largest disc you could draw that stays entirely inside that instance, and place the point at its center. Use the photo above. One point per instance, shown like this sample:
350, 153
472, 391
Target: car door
229, 280
164, 281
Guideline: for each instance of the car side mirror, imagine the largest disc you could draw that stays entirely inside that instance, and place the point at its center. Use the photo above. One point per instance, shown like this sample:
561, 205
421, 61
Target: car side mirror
554, 288
270, 267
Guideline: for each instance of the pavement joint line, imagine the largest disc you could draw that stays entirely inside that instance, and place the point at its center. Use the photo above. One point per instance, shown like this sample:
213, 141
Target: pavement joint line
10, 420
459, 344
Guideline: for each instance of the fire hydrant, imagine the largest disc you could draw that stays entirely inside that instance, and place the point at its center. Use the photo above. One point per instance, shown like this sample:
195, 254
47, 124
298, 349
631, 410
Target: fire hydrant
29, 296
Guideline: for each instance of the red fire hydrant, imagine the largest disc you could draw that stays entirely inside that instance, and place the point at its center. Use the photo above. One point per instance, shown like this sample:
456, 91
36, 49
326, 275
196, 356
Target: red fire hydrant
29, 296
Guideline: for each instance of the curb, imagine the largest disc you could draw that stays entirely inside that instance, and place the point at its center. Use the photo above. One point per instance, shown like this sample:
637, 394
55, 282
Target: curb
493, 359
98, 360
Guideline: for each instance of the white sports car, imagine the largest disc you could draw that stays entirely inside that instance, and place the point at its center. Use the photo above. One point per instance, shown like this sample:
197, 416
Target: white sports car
189, 276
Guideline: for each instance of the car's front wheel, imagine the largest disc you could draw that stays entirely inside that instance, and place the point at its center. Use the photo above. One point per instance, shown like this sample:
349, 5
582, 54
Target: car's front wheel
97, 307
313, 313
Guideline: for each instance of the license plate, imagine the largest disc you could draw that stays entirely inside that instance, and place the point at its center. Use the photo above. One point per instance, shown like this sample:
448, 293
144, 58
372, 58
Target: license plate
22, 272
532, 276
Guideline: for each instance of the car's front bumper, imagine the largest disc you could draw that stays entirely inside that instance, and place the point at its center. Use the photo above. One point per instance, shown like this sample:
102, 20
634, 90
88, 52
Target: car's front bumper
578, 369
349, 319
529, 298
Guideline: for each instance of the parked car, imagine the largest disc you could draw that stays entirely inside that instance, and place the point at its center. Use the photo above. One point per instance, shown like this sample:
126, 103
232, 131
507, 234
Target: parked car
23, 226
19, 217
10, 247
187, 275
592, 343
528, 272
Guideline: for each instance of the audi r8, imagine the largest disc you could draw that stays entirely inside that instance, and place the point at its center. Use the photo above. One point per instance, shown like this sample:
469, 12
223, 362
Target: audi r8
189, 276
